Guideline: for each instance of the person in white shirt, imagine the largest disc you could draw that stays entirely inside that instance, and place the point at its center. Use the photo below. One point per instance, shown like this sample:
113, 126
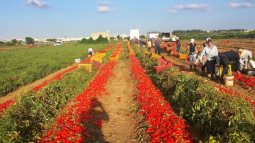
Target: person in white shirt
212, 53
245, 57
149, 45
90, 52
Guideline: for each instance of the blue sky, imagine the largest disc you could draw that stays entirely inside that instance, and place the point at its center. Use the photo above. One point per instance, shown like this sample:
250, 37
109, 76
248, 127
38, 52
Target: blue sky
78, 18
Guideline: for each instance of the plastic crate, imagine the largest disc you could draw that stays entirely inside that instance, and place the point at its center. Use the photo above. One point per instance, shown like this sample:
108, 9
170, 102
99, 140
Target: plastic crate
101, 55
87, 67
111, 58
95, 58
183, 56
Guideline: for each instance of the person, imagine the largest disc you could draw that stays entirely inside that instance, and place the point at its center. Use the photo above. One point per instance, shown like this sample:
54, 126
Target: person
200, 50
211, 52
153, 42
141, 43
245, 57
192, 53
90, 52
149, 45
178, 44
157, 46
225, 58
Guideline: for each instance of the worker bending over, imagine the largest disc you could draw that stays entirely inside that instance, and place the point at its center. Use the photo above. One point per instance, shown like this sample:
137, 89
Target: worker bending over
245, 57
226, 57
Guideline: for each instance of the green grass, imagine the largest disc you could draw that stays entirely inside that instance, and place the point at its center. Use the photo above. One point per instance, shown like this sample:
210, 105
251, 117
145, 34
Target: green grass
22, 66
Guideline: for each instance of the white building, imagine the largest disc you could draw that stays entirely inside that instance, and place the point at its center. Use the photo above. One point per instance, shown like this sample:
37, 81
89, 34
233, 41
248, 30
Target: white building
134, 33
123, 36
152, 35
106, 34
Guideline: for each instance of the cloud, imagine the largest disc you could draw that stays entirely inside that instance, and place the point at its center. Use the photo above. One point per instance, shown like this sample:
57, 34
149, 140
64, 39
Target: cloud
104, 6
37, 3
105, 9
239, 5
193, 6
173, 11
104, 3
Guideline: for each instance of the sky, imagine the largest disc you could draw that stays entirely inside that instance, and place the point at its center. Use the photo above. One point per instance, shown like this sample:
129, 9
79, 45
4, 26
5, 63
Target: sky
79, 18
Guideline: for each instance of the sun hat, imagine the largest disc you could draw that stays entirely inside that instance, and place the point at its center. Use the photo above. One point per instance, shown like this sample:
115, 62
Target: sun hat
192, 40
207, 39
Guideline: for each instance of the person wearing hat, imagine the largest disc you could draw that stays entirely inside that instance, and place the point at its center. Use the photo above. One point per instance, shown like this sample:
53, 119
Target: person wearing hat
192, 53
208, 56
90, 52
245, 57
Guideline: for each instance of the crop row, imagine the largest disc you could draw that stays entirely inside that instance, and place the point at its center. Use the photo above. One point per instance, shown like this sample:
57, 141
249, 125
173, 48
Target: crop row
215, 115
22, 66
164, 125
73, 125
25, 120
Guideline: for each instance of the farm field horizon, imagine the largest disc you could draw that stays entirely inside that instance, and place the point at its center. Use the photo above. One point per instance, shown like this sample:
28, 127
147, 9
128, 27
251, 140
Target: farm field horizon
124, 98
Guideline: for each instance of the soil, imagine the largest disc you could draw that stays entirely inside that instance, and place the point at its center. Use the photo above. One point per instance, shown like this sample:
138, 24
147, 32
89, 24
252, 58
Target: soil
14, 95
122, 122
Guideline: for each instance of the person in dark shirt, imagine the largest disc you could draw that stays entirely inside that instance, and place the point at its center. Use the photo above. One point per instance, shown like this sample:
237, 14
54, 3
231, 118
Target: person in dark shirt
157, 46
226, 57
192, 53
178, 44
141, 43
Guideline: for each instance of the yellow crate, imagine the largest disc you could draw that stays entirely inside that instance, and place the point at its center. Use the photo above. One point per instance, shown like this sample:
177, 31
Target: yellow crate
146, 53
87, 67
183, 56
113, 58
95, 58
101, 55
155, 56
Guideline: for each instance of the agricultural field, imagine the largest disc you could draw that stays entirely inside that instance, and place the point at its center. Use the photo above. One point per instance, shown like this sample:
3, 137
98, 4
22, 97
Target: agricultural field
129, 99
22, 66
226, 44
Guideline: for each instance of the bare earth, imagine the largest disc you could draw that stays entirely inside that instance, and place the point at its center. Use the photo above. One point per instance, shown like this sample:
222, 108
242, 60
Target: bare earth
122, 122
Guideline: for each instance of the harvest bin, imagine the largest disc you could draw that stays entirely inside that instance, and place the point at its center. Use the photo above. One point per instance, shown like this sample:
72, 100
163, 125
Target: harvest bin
87, 67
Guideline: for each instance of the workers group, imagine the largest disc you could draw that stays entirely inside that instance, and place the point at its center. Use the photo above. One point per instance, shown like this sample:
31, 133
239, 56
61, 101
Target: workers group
209, 57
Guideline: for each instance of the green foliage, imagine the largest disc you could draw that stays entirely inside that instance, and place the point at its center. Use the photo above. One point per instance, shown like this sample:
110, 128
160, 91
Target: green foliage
14, 41
99, 40
24, 121
217, 116
20, 67
29, 40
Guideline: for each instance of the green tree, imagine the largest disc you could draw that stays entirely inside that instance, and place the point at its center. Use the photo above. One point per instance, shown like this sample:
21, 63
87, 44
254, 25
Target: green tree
118, 37
14, 41
29, 40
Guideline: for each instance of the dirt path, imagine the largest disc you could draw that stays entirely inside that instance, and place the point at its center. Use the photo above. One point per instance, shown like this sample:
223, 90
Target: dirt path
14, 95
122, 122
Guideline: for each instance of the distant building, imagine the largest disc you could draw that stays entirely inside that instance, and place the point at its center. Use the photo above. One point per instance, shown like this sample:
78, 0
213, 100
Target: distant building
152, 34
134, 33
123, 36
106, 34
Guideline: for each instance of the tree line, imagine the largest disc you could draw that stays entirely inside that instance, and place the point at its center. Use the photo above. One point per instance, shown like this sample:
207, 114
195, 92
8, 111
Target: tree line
215, 34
